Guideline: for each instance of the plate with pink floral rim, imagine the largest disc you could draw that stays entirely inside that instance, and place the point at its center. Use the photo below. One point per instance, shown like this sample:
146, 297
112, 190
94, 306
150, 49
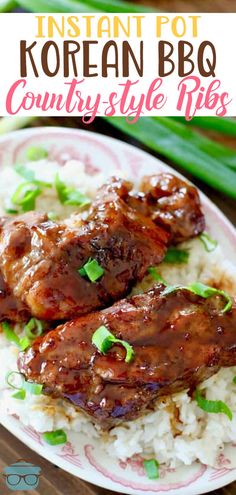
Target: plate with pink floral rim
81, 456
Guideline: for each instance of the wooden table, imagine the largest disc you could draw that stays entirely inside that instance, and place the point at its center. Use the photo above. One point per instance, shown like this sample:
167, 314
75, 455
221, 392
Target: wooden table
54, 481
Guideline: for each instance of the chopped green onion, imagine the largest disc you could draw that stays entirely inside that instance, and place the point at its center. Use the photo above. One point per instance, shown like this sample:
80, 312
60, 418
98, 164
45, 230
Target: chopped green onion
208, 243
212, 406
201, 290
155, 275
33, 388
55, 437
13, 338
52, 216
34, 328
11, 211
151, 467
234, 380
29, 175
70, 195
20, 395
175, 255
11, 378
199, 156
92, 269
35, 153
25, 196
9, 333
24, 343
103, 339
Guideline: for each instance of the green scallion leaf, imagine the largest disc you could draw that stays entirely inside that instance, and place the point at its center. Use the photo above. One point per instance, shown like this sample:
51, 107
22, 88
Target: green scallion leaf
25, 196
13, 338
234, 380
10, 334
52, 216
12, 377
175, 255
208, 243
35, 153
213, 406
11, 211
33, 388
92, 270
55, 437
201, 290
155, 275
151, 467
24, 343
70, 195
29, 175
103, 339
20, 395
34, 328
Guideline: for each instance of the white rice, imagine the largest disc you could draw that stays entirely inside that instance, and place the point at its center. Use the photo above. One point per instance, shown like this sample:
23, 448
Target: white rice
177, 431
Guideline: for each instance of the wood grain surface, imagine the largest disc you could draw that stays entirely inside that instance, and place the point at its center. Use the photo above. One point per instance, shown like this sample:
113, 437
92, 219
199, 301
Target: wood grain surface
54, 481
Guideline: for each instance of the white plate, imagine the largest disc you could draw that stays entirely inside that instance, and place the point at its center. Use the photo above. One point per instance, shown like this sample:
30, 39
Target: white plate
80, 456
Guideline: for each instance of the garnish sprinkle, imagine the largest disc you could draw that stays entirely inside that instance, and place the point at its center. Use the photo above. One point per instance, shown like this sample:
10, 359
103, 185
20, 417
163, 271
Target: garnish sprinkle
13, 338
208, 243
155, 275
35, 153
213, 406
55, 437
23, 386
92, 270
175, 255
201, 290
103, 339
34, 328
151, 467
70, 195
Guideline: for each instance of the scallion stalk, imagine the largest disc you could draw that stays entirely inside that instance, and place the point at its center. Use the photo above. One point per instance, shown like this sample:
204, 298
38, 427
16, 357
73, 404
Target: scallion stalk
186, 148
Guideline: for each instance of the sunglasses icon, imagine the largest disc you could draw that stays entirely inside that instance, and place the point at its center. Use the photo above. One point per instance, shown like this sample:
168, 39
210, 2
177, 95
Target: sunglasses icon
15, 479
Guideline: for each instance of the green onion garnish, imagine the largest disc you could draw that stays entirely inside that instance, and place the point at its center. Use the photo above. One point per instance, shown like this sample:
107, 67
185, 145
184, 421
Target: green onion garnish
13, 338
55, 437
11, 378
208, 243
155, 275
104, 340
151, 467
212, 406
24, 343
92, 269
234, 380
20, 395
52, 216
24, 386
70, 195
35, 153
29, 175
202, 290
11, 211
175, 255
33, 388
34, 328
25, 196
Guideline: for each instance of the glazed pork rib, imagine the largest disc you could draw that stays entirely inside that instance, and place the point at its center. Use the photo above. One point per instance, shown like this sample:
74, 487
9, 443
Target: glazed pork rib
40, 259
171, 203
179, 340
